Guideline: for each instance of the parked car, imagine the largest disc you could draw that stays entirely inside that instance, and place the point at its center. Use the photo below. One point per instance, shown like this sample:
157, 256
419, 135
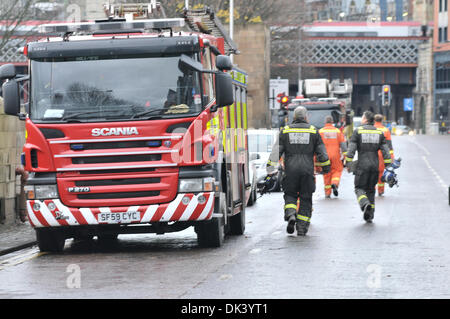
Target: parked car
260, 142
356, 121
402, 130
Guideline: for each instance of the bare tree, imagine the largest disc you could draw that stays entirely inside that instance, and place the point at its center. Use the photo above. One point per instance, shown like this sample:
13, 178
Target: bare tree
12, 15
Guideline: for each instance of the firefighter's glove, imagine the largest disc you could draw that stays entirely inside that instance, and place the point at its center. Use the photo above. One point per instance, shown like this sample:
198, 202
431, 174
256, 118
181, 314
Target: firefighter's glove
271, 168
326, 169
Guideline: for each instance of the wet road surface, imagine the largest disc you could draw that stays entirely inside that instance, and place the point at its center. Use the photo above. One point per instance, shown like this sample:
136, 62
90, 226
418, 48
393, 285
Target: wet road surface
402, 254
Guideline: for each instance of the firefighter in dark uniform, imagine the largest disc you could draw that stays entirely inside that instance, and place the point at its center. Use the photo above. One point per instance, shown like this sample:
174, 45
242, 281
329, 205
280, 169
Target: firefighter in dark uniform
367, 140
298, 143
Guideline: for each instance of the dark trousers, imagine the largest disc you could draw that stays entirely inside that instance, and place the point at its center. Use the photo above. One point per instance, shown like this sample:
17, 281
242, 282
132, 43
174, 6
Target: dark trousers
365, 183
299, 186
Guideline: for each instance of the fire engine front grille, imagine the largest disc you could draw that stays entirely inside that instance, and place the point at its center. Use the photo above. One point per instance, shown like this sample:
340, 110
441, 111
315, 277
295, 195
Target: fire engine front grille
116, 159
118, 195
118, 171
115, 182
115, 145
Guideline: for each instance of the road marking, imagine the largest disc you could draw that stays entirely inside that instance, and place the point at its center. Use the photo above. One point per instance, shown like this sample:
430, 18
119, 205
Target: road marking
225, 277
255, 251
439, 178
423, 148
19, 259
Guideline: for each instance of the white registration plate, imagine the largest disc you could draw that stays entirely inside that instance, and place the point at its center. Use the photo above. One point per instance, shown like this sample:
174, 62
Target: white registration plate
119, 218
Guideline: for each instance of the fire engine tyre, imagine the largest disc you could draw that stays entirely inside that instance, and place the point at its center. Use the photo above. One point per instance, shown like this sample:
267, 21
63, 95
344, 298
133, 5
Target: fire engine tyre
107, 239
50, 240
237, 222
252, 199
211, 233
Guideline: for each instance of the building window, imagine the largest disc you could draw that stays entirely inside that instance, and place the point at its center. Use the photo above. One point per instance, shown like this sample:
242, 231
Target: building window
440, 35
440, 5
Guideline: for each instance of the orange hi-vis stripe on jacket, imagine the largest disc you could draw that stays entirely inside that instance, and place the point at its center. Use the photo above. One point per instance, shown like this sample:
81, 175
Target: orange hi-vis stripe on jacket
381, 166
333, 139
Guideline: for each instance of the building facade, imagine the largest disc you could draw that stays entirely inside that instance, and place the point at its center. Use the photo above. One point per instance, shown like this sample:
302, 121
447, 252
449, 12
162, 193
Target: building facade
441, 64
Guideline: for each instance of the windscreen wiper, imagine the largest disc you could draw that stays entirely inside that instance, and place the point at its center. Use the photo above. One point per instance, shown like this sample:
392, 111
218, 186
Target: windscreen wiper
149, 112
74, 115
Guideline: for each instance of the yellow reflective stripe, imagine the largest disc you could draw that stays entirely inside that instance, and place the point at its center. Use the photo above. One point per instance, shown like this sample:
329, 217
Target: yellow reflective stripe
348, 159
290, 206
272, 163
387, 161
327, 186
370, 131
361, 197
335, 179
232, 116
391, 151
323, 163
245, 115
304, 218
299, 130
380, 184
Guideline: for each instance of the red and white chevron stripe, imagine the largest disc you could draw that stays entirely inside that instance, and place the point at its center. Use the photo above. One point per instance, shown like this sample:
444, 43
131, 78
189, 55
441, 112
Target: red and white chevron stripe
53, 213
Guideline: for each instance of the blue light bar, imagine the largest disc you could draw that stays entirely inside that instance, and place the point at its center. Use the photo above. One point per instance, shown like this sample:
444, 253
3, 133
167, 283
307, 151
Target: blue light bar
89, 27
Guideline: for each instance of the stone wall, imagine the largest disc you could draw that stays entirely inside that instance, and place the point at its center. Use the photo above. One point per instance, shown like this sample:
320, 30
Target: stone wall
424, 89
254, 44
12, 138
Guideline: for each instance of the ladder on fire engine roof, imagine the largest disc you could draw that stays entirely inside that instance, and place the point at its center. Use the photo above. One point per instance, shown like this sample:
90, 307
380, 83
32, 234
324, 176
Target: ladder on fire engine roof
205, 21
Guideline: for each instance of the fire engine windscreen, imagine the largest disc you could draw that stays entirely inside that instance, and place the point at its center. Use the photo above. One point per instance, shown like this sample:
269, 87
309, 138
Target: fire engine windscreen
93, 88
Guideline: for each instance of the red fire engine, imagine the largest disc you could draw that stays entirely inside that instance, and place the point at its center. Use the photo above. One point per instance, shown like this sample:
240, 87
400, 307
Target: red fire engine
133, 126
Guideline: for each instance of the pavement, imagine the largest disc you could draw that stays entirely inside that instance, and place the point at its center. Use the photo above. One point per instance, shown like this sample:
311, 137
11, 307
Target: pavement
15, 237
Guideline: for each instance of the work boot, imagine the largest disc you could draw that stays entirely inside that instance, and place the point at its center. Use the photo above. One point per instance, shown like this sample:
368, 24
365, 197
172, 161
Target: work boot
335, 190
368, 213
291, 224
302, 229
327, 196
288, 213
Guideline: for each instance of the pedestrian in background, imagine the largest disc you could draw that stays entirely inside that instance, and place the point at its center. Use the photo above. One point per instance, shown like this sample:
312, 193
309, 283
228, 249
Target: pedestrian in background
298, 143
336, 147
387, 135
367, 140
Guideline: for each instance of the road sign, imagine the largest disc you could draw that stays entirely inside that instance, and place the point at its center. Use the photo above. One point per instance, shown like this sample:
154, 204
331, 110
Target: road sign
408, 104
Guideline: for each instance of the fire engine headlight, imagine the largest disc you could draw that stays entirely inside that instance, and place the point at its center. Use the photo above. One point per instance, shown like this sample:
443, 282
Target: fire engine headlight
41, 191
196, 185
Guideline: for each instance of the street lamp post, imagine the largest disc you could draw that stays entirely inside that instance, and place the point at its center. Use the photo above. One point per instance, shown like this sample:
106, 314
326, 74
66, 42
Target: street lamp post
231, 23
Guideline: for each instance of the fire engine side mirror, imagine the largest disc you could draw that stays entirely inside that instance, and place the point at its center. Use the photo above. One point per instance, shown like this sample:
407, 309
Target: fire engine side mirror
186, 63
7, 71
11, 97
224, 89
223, 63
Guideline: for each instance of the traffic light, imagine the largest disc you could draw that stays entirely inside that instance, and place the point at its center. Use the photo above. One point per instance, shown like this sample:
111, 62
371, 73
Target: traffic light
386, 95
284, 101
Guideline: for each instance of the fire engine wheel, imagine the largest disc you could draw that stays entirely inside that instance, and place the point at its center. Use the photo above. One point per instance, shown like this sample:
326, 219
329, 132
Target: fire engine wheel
211, 233
50, 240
237, 222
107, 239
